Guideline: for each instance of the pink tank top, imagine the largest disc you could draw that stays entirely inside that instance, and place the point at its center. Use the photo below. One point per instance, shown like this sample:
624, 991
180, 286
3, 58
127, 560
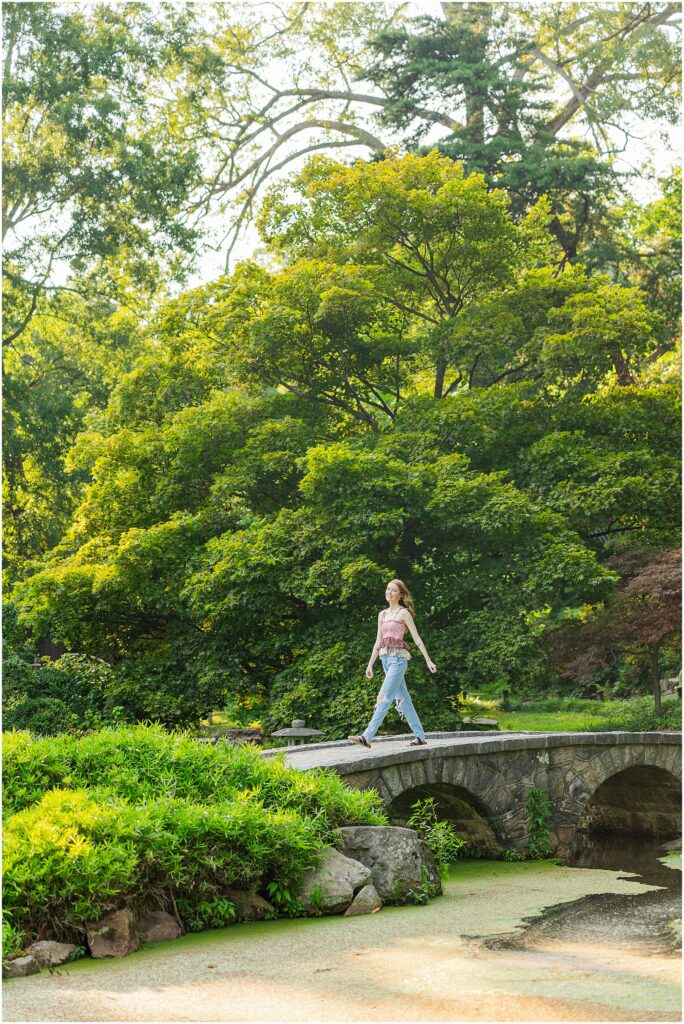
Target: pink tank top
392, 636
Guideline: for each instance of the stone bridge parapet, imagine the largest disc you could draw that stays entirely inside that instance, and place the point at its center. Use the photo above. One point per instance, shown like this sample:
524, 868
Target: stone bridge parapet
625, 781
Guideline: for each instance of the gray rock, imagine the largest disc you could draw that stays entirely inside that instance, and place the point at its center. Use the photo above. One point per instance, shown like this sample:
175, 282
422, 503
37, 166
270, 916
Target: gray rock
113, 935
50, 954
365, 902
398, 859
21, 967
249, 906
158, 926
330, 888
481, 723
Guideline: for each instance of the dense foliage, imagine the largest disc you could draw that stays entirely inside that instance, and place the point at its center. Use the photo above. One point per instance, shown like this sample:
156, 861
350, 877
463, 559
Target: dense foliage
643, 614
295, 441
131, 129
640, 715
413, 376
150, 819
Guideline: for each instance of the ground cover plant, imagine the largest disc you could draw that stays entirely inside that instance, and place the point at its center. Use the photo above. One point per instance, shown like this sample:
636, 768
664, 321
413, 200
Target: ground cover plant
578, 715
142, 817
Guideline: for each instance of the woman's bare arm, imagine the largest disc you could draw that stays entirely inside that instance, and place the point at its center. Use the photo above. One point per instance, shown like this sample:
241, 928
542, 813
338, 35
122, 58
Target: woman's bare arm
408, 619
376, 646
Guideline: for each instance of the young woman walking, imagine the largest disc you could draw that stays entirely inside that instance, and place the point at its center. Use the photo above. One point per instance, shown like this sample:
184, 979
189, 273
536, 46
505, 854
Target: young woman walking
394, 654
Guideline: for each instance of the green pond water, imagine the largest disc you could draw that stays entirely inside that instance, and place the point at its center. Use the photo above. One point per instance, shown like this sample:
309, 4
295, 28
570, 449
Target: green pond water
506, 941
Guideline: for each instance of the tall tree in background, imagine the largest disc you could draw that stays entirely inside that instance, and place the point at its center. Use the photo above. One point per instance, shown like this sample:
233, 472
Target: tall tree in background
539, 96
130, 129
235, 534
95, 177
521, 81
96, 183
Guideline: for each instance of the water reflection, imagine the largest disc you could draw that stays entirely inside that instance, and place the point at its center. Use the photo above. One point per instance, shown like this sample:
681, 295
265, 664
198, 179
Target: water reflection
642, 920
634, 854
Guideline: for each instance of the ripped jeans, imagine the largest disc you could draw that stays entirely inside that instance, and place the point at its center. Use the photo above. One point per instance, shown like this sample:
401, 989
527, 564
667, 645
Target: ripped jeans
394, 689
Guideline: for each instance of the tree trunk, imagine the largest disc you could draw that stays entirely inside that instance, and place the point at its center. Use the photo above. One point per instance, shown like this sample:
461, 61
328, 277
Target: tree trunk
653, 651
440, 374
624, 374
477, 18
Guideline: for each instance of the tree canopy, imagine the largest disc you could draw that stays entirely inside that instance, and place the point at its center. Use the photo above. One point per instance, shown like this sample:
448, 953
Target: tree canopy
453, 359
281, 450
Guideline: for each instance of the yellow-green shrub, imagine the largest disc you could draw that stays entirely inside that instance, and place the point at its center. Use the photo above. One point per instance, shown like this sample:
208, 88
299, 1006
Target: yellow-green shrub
140, 817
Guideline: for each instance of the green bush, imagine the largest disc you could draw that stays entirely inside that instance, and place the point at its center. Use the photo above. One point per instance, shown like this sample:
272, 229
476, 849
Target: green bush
74, 693
440, 836
44, 716
140, 817
145, 761
538, 809
640, 716
73, 856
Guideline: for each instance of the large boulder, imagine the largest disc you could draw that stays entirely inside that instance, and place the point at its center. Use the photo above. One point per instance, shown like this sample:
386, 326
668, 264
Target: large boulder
399, 861
113, 935
249, 906
330, 888
158, 926
51, 954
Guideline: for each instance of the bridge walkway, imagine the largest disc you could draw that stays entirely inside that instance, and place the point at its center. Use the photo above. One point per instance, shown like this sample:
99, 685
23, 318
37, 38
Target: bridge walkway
347, 758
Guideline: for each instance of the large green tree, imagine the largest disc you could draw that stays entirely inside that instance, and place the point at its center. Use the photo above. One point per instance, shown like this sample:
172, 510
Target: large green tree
433, 241
539, 97
95, 175
248, 502
55, 378
97, 178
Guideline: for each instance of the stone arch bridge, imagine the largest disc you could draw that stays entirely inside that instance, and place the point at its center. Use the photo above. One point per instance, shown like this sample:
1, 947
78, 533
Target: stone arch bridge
616, 781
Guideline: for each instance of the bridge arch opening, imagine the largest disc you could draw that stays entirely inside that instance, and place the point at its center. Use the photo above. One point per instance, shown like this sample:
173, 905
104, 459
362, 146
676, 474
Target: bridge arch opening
455, 804
643, 800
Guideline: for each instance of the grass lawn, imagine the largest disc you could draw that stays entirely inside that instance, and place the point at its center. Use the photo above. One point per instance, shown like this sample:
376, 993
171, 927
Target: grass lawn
575, 714
562, 720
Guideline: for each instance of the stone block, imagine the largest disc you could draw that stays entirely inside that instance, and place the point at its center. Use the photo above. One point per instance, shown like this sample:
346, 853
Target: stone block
114, 935
360, 780
365, 902
561, 758
419, 773
383, 791
578, 789
406, 776
50, 954
158, 926
393, 781
454, 770
397, 858
249, 906
330, 887
609, 762
21, 967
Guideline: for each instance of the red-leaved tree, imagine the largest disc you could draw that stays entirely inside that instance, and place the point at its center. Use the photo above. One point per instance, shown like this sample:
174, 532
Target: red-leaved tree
642, 613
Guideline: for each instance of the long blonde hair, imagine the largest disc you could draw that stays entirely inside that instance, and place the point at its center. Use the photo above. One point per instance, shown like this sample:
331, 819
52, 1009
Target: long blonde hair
405, 599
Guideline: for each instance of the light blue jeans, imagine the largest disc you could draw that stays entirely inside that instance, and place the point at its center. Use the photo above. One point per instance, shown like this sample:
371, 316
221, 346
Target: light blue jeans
394, 689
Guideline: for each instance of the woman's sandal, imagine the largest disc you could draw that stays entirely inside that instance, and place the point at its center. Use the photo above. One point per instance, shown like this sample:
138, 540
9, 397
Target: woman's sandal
418, 743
